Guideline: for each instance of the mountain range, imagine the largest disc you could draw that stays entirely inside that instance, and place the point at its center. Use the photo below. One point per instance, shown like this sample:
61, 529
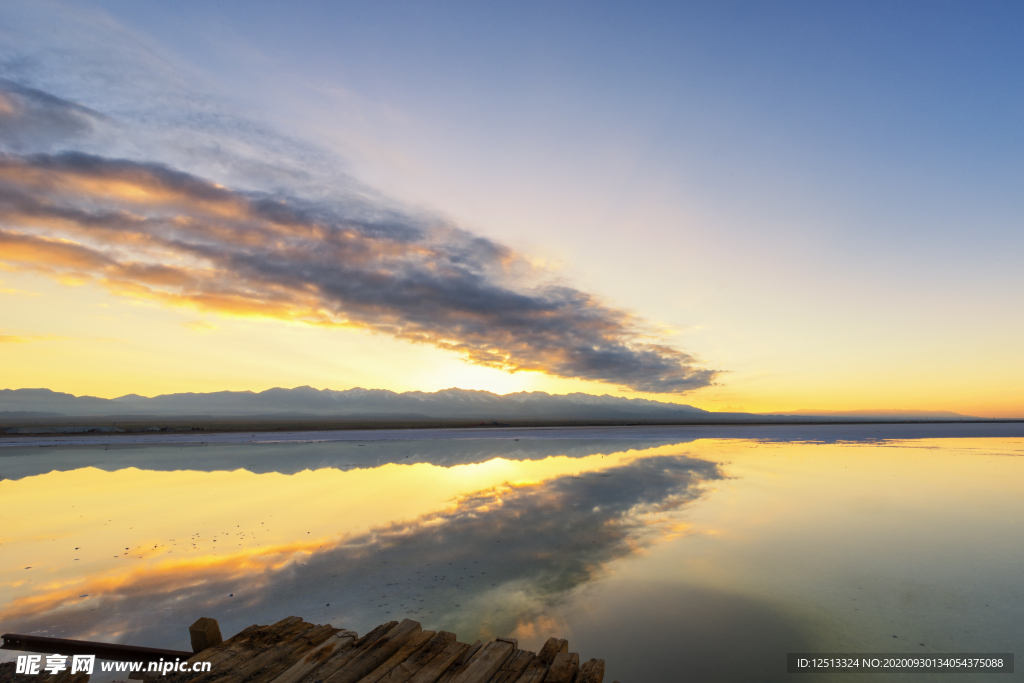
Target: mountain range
360, 403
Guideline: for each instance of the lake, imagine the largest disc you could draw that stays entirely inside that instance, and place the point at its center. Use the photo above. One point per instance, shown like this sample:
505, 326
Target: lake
707, 552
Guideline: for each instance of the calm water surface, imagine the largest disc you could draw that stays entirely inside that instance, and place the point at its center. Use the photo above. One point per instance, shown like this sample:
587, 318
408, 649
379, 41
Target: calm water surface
705, 551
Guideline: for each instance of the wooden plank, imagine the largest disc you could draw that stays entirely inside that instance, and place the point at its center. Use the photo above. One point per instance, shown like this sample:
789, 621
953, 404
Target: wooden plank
275, 633
376, 633
259, 643
460, 664
262, 642
437, 666
376, 653
301, 642
552, 647
227, 660
293, 651
320, 654
288, 653
233, 641
513, 667
469, 653
342, 657
591, 672
486, 662
294, 644
219, 654
538, 668
225, 649
244, 634
434, 647
564, 667
205, 633
282, 625
408, 650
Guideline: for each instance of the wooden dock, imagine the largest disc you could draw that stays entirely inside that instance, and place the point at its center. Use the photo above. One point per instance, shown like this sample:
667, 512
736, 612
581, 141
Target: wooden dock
294, 651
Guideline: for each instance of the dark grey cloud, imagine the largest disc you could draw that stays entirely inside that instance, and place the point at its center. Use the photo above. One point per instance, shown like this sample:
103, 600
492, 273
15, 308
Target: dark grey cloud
33, 120
147, 230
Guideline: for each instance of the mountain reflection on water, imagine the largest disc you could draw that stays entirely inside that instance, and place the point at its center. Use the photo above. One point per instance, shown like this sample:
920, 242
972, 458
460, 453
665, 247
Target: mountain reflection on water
292, 452
292, 456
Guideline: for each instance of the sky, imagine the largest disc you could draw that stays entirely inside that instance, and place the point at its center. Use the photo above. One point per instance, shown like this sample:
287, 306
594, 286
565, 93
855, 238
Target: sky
739, 206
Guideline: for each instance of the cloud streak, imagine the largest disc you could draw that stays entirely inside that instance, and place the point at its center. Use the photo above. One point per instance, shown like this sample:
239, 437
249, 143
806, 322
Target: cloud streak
148, 231
143, 229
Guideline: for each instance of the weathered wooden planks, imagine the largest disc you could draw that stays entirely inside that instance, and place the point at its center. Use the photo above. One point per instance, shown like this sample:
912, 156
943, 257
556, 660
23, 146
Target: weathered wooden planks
407, 650
342, 657
226, 649
486, 662
293, 643
460, 664
293, 651
284, 655
340, 641
440, 664
563, 669
513, 667
591, 672
538, 668
234, 654
376, 653
407, 669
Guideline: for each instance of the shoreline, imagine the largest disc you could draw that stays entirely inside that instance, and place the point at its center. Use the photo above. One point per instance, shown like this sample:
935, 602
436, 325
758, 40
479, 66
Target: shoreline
257, 433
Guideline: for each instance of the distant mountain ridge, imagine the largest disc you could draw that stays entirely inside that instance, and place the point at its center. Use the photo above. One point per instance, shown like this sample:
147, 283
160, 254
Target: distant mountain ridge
451, 403
446, 404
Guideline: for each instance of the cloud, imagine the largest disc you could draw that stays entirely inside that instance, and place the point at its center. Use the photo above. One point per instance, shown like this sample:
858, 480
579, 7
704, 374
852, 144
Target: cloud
145, 230
31, 119
123, 166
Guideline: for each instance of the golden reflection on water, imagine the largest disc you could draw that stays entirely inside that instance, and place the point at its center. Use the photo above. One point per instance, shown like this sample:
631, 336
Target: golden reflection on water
88, 531
899, 546
532, 547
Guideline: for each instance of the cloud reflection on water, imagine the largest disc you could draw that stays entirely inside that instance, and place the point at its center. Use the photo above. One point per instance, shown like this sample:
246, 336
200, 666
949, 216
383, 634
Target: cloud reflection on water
494, 560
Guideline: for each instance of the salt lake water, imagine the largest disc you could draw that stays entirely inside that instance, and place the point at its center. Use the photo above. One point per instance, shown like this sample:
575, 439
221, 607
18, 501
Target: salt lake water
705, 553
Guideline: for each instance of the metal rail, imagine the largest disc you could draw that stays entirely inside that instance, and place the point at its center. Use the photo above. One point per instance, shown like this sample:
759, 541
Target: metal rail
109, 651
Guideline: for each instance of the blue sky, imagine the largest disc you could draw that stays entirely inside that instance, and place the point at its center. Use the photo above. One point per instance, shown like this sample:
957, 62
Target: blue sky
819, 200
